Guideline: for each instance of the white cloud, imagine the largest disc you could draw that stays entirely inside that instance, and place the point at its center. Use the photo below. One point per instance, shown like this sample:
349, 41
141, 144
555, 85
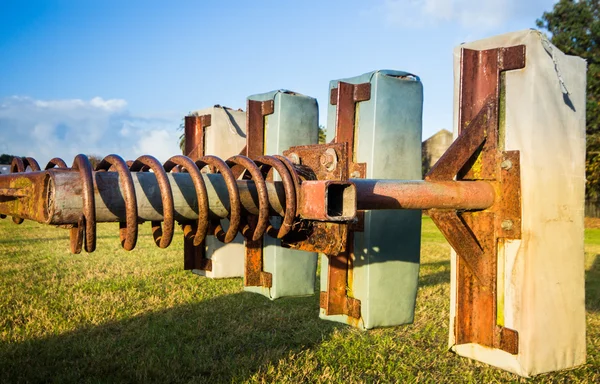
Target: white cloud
63, 128
469, 14
155, 143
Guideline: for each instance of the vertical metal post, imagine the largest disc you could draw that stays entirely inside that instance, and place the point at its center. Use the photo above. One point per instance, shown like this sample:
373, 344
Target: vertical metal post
218, 131
277, 271
517, 281
379, 115
256, 112
474, 235
195, 256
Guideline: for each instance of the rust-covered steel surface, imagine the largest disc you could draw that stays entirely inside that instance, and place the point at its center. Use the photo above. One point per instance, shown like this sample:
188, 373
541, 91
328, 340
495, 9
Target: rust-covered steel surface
472, 193
476, 155
24, 197
309, 165
345, 96
255, 276
336, 301
86, 223
324, 237
255, 135
480, 83
54, 197
110, 197
194, 129
417, 194
128, 229
61, 203
163, 234
74, 196
194, 256
336, 161
327, 200
115, 200
255, 149
508, 224
194, 251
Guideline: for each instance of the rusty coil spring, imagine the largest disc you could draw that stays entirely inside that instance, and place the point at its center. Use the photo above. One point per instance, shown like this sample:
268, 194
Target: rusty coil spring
233, 168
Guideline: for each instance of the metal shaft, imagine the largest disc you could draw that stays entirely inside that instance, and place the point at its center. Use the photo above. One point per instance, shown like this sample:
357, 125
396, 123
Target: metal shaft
110, 204
417, 194
54, 196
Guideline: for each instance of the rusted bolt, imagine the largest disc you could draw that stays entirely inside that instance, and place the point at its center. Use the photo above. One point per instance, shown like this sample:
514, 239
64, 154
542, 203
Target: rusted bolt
507, 225
506, 164
328, 159
294, 158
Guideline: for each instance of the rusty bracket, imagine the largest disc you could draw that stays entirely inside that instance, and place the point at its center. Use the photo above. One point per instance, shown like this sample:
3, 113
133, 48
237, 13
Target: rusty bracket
313, 163
24, 196
335, 300
195, 131
194, 128
335, 240
255, 147
194, 257
478, 154
346, 96
335, 161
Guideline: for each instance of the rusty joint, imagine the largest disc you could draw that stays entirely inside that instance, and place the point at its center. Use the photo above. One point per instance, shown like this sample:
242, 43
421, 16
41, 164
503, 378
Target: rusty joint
327, 200
360, 92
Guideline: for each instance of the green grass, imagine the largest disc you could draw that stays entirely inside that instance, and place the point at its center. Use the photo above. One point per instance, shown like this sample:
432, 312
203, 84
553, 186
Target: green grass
116, 316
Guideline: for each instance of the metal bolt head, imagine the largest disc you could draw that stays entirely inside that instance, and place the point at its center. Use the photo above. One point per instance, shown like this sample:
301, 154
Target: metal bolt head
294, 158
328, 159
507, 225
506, 164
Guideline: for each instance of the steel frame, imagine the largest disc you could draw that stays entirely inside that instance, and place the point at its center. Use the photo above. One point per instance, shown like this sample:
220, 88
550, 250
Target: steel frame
472, 194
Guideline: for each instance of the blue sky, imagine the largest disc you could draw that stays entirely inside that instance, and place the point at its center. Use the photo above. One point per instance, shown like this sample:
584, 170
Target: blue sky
109, 76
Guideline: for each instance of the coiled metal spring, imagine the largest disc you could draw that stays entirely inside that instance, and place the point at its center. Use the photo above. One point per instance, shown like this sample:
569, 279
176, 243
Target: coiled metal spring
83, 234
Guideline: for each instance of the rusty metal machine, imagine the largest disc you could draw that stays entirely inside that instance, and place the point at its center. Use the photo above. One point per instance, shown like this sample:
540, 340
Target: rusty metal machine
356, 200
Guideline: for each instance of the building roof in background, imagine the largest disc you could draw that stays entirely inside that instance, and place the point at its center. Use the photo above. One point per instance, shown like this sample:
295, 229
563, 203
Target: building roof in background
441, 132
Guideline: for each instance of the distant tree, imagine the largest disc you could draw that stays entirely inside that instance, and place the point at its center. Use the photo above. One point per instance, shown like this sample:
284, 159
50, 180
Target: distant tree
322, 135
575, 29
95, 160
182, 136
6, 159
182, 128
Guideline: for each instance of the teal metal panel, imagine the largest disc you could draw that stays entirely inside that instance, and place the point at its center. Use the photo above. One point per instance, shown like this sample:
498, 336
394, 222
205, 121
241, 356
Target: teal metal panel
295, 121
386, 265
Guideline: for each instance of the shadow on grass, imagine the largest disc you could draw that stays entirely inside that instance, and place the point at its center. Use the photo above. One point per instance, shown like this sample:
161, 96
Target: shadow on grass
592, 287
218, 340
435, 278
592, 281
18, 240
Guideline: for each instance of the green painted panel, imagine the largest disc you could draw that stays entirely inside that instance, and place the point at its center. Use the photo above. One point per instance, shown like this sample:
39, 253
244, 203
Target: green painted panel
386, 266
295, 121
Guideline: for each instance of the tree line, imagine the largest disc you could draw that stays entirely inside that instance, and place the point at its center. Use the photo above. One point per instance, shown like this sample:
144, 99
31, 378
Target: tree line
575, 29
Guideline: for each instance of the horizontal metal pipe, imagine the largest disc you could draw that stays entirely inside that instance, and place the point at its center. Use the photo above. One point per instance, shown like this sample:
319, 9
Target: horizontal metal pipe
65, 204
55, 196
418, 194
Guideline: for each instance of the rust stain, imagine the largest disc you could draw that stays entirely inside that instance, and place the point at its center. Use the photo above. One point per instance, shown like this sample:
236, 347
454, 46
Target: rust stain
476, 155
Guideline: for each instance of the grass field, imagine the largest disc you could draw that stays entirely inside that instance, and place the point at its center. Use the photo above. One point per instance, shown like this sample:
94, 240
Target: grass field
116, 316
